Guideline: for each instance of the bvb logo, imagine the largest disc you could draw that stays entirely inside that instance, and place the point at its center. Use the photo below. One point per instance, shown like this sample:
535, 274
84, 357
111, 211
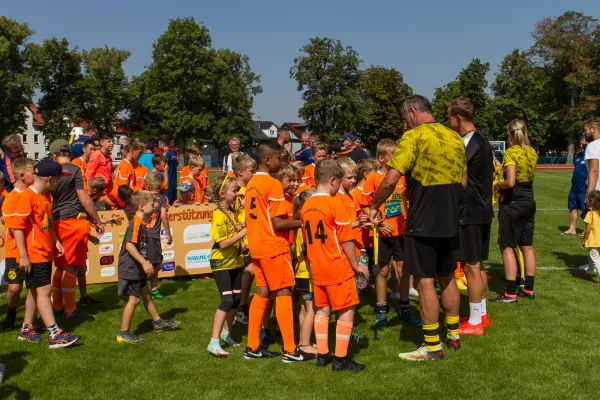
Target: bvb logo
12, 275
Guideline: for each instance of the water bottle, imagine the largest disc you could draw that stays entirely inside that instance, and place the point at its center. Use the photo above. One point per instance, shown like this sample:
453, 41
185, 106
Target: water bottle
361, 280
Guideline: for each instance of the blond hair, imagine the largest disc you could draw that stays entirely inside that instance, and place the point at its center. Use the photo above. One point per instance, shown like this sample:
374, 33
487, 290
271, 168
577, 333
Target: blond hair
97, 183
288, 171
140, 198
366, 166
299, 166
194, 150
21, 165
154, 181
217, 187
196, 161
242, 163
347, 164
320, 146
518, 130
327, 169
11, 141
386, 146
136, 144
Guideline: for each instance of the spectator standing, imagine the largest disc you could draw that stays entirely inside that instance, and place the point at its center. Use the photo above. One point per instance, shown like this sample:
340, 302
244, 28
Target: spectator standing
284, 139
172, 163
77, 144
13, 149
100, 163
578, 188
305, 153
234, 148
351, 149
591, 129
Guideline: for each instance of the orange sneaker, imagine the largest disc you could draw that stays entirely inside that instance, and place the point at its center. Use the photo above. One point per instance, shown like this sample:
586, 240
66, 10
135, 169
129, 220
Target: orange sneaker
485, 320
468, 329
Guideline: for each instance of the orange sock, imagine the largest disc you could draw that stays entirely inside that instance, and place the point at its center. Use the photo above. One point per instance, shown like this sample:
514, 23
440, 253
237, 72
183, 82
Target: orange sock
57, 296
69, 291
284, 311
458, 272
321, 333
255, 317
343, 331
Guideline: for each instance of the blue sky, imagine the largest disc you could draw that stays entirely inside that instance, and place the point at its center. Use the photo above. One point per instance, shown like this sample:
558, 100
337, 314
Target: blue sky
428, 41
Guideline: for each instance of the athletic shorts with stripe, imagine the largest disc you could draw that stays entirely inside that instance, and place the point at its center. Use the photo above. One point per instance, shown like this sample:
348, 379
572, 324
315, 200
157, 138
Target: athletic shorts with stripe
73, 235
275, 272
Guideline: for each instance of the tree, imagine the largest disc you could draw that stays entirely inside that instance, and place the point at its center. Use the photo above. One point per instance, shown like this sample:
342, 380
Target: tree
192, 91
57, 70
328, 77
104, 87
470, 83
568, 47
16, 84
382, 90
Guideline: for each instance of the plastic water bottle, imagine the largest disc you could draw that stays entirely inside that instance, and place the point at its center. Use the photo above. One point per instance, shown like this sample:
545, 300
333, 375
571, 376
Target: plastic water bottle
361, 280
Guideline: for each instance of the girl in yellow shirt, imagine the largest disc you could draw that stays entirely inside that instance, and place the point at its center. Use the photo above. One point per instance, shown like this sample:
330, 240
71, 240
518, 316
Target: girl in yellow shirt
591, 235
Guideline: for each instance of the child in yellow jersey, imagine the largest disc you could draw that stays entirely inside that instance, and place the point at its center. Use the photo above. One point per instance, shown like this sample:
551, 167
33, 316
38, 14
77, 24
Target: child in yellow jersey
303, 283
226, 261
244, 168
591, 235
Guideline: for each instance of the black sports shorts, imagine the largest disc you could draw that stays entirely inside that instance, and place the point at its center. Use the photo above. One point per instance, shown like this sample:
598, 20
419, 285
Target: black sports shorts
474, 242
425, 257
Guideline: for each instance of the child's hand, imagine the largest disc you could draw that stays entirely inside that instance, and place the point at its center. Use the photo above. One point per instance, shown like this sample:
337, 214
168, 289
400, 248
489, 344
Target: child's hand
363, 269
176, 205
583, 244
148, 269
94, 240
59, 249
244, 247
386, 229
169, 238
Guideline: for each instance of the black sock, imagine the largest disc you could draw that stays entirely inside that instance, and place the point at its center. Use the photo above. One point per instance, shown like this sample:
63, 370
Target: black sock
511, 287
158, 321
11, 311
529, 282
404, 306
340, 359
127, 332
381, 308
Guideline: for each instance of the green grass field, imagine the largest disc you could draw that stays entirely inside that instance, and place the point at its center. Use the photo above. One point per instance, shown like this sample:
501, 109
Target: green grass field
534, 349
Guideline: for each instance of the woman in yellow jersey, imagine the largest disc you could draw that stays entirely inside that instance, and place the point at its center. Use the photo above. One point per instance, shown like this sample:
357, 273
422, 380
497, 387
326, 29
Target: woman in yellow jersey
303, 284
517, 211
226, 261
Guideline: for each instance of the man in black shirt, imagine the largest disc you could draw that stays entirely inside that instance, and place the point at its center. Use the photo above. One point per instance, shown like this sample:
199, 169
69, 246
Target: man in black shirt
351, 149
476, 212
71, 207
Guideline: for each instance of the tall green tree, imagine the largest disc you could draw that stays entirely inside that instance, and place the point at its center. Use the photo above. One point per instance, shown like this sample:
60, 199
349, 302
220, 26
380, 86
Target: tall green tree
16, 83
471, 83
382, 90
192, 91
57, 69
104, 87
329, 79
568, 46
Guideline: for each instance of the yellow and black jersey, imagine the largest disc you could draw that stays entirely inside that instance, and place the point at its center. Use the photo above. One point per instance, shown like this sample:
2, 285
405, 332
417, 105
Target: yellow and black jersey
432, 158
524, 161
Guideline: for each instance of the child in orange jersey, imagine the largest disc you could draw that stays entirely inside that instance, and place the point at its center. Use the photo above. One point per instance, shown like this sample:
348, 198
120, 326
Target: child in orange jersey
88, 148
302, 186
124, 174
244, 168
391, 237
195, 151
303, 284
135, 269
319, 152
330, 250
154, 181
196, 165
161, 165
268, 231
33, 230
23, 172
365, 167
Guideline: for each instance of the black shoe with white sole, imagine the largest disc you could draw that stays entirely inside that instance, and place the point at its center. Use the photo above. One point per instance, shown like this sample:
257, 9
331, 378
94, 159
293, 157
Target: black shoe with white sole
260, 352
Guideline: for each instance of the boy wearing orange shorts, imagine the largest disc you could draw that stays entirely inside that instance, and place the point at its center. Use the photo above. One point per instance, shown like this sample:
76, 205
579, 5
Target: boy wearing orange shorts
331, 253
268, 233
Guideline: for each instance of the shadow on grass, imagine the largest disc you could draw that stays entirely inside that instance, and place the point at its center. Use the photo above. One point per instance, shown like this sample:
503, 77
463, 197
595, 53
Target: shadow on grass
15, 364
573, 261
146, 326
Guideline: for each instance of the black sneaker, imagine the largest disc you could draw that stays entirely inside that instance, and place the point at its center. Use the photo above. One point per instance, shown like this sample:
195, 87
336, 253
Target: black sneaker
164, 324
260, 352
346, 365
324, 360
505, 299
79, 315
530, 294
289, 358
9, 322
88, 301
307, 356
453, 344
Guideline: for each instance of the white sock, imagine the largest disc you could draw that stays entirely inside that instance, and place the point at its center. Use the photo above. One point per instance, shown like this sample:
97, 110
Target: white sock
475, 313
483, 307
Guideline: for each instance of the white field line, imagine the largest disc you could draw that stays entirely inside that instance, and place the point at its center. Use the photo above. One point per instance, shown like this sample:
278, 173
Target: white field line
544, 268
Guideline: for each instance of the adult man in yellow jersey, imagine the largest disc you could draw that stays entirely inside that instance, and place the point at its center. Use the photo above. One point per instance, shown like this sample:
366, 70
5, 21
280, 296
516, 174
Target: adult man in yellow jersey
432, 159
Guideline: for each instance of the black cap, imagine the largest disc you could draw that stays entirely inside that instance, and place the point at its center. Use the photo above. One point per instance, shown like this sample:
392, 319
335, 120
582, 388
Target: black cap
48, 168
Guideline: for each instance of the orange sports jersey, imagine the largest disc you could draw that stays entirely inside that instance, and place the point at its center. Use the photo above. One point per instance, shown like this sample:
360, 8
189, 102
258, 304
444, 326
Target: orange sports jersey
350, 205
140, 175
33, 215
185, 171
230, 175
289, 208
265, 200
309, 176
325, 225
124, 175
302, 187
362, 236
82, 166
392, 210
9, 208
198, 189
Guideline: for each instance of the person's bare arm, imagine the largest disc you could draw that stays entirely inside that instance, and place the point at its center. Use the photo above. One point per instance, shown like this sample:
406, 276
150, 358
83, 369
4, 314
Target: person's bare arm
592, 175
282, 224
586, 234
135, 254
224, 244
350, 251
384, 191
509, 182
164, 218
465, 181
24, 262
88, 205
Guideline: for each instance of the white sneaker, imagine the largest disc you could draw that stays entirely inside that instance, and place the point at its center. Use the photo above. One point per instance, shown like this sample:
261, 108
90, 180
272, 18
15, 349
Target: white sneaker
413, 292
215, 348
395, 295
